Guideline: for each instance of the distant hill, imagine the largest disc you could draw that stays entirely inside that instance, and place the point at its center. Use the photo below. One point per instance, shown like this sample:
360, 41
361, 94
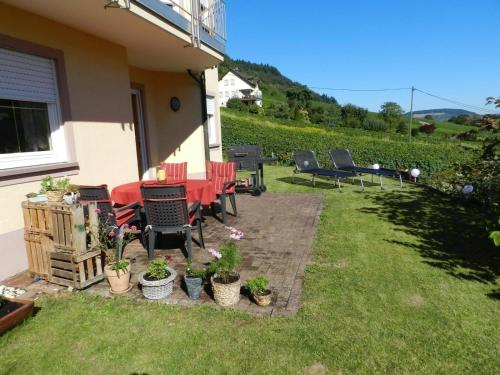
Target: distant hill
442, 114
271, 81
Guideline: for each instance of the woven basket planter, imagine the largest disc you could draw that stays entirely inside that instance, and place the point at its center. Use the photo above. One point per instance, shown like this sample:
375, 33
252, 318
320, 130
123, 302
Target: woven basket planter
193, 286
226, 294
263, 299
55, 196
157, 289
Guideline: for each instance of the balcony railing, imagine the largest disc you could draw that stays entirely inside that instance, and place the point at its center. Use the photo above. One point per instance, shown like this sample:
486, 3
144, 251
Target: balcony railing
204, 20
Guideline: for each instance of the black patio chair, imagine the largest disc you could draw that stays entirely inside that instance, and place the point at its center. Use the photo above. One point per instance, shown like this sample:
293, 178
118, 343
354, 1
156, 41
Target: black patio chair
119, 215
167, 212
342, 159
114, 216
306, 162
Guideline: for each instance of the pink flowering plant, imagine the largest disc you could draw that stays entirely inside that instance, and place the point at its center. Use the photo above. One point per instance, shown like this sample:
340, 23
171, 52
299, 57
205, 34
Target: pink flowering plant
235, 234
112, 240
227, 261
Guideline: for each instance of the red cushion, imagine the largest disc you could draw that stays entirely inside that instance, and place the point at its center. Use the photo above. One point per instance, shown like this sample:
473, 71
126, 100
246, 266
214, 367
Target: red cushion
192, 217
175, 171
221, 173
124, 216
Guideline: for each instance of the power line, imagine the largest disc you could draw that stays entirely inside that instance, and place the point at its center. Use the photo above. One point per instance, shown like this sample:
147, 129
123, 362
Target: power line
457, 103
344, 89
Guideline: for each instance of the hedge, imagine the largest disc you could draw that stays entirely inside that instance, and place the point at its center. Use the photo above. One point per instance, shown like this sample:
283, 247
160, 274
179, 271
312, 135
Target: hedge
283, 140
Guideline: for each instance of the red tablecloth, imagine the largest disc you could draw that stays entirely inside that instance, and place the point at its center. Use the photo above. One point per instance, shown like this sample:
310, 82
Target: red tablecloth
196, 190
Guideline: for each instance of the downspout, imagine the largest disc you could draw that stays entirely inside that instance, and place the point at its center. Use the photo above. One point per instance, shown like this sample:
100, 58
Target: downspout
201, 82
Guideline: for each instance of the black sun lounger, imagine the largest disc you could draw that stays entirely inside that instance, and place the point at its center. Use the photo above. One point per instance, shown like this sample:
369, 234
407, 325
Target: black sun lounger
342, 160
306, 162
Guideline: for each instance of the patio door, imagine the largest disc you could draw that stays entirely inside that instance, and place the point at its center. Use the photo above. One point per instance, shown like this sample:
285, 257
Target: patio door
140, 133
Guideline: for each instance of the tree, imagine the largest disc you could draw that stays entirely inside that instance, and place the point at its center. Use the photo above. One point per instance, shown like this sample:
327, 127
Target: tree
391, 112
236, 103
300, 97
494, 101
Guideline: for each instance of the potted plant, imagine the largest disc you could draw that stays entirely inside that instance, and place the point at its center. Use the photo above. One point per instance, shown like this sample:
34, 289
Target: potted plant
194, 280
259, 289
158, 281
111, 240
12, 312
54, 189
225, 280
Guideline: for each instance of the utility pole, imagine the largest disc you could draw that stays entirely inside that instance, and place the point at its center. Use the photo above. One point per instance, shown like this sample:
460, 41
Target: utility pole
411, 114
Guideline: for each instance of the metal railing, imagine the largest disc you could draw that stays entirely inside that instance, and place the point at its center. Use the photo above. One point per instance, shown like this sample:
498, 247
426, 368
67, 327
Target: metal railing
206, 19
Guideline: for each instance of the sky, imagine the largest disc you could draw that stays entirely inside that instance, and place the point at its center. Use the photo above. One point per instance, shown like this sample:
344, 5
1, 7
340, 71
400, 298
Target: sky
450, 48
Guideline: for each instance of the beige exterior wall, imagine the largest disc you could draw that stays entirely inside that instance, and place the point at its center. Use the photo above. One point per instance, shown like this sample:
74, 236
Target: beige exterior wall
173, 136
99, 79
98, 85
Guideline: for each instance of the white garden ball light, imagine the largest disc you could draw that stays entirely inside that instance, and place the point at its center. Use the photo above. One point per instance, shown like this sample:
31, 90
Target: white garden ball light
415, 172
467, 189
306, 163
376, 166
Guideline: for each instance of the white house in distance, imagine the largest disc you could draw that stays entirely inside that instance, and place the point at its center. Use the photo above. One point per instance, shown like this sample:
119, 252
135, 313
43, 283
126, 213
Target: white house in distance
234, 85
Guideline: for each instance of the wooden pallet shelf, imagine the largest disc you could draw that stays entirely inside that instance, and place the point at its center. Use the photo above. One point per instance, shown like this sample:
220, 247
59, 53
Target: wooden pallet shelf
77, 271
57, 227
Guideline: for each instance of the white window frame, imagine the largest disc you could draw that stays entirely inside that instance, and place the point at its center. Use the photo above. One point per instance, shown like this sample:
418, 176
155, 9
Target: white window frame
57, 154
232, 81
225, 82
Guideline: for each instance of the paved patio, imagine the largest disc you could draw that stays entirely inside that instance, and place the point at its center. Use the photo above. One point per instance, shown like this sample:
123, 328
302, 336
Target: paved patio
279, 231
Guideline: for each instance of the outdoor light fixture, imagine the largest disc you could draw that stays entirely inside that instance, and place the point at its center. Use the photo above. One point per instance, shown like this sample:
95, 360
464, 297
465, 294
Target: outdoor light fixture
175, 103
467, 189
415, 173
375, 166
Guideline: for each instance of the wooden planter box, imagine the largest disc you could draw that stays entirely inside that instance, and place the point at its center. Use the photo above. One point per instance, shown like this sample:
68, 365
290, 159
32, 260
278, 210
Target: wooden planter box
16, 314
59, 227
76, 271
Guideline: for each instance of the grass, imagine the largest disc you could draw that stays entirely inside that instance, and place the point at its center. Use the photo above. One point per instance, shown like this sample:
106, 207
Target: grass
401, 282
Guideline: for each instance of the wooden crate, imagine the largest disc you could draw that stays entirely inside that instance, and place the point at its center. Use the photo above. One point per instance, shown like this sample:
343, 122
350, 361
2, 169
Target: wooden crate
68, 228
38, 246
37, 217
77, 271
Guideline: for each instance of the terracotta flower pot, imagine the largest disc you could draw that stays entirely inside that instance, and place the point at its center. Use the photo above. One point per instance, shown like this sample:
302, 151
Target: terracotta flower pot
263, 299
119, 281
226, 294
14, 312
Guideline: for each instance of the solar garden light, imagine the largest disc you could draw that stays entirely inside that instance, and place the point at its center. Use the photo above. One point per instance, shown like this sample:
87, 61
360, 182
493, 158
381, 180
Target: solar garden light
415, 173
467, 189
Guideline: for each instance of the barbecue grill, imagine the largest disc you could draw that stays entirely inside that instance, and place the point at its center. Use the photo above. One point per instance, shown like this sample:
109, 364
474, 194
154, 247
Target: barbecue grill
248, 158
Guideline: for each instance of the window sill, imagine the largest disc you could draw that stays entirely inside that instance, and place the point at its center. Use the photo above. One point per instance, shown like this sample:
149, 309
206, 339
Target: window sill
215, 145
21, 175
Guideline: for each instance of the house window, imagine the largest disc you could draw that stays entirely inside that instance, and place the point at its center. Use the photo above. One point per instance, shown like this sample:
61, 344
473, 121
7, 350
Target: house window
227, 94
31, 132
212, 125
225, 82
232, 82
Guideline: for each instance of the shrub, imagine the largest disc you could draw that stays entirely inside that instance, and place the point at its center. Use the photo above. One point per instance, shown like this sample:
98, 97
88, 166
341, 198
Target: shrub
235, 103
255, 109
280, 110
374, 124
427, 128
414, 132
283, 140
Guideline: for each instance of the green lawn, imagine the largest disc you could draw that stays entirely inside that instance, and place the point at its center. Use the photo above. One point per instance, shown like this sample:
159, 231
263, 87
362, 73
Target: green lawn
401, 282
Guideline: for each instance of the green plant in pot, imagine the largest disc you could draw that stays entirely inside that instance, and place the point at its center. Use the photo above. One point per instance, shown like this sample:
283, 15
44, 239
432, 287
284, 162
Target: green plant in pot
112, 240
259, 289
193, 279
54, 189
158, 281
225, 280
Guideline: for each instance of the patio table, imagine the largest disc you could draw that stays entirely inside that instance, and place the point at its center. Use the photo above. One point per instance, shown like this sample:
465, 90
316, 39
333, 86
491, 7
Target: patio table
196, 190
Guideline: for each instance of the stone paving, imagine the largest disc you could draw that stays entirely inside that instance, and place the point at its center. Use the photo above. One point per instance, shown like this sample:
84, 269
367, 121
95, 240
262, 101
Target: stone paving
279, 230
